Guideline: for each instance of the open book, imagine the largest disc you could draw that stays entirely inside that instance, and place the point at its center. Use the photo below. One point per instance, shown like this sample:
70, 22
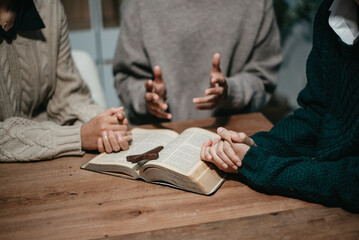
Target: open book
179, 164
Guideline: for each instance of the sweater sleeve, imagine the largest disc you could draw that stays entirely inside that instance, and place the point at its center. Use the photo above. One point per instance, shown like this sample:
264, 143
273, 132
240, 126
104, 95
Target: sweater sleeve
26, 140
297, 134
71, 101
131, 66
332, 183
254, 85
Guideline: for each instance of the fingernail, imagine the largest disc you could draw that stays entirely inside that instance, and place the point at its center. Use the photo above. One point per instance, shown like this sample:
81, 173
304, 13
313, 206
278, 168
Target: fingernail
235, 167
224, 165
208, 92
239, 163
195, 100
220, 129
208, 156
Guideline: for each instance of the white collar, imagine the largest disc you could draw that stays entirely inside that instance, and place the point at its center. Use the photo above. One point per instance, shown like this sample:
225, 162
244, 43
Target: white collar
343, 20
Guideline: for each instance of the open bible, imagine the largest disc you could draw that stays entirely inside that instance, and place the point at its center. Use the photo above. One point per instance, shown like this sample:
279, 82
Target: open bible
178, 165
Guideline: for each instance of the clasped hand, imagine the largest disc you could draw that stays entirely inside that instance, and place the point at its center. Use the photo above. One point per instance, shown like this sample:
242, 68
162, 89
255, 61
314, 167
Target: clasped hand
155, 95
107, 131
228, 151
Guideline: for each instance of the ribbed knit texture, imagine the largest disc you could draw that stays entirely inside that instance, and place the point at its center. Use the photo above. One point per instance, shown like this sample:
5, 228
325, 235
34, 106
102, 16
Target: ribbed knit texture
41, 92
181, 36
313, 154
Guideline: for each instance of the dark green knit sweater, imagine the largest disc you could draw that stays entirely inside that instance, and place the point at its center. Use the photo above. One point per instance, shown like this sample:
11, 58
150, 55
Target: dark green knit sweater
314, 153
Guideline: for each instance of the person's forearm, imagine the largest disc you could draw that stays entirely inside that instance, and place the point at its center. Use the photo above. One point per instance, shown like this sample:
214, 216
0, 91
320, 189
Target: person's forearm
332, 183
296, 135
25, 140
71, 100
246, 90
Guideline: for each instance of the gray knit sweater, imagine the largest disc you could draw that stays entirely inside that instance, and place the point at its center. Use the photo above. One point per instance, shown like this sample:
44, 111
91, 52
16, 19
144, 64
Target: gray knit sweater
181, 36
43, 100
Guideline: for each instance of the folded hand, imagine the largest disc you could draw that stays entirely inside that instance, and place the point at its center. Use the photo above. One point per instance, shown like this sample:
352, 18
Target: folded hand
228, 151
111, 122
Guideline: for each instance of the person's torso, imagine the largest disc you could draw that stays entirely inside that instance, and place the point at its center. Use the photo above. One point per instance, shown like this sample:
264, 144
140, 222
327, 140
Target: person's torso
26, 71
182, 37
339, 130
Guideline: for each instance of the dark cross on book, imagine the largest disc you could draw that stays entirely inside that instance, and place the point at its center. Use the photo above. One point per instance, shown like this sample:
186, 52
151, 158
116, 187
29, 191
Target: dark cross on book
149, 155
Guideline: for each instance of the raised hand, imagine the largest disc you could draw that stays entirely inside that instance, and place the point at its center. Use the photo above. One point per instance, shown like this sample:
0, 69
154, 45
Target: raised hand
112, 119
155, 95
228, 151
218, 92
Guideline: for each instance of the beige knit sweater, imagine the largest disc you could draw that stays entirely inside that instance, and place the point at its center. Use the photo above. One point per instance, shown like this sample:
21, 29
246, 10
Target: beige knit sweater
43, 100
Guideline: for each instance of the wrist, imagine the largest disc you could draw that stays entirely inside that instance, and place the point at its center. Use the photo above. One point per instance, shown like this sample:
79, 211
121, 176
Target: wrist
83, 137
68, 140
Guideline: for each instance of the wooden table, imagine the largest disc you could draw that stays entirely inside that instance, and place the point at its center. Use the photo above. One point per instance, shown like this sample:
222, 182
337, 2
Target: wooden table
57, 200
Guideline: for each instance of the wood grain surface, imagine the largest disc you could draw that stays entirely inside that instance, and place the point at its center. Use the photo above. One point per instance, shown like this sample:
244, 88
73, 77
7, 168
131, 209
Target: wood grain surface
57, 200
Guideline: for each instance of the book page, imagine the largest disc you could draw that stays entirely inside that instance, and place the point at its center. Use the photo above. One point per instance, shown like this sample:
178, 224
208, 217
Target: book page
183, 154
143, 140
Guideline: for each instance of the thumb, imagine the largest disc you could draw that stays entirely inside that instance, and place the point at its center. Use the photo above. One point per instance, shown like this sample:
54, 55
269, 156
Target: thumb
242, 138
158, 74
216, 62
233, 137
224, 134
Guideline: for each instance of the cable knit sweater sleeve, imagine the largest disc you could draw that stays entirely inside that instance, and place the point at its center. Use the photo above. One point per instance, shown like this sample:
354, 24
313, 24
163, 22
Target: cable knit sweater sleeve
26, 140
71, 101
44, 121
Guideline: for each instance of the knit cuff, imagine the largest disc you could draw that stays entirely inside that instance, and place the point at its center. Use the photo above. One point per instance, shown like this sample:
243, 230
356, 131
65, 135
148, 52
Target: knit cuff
260, 138
67, 141
252, 161
245, 92
234, 98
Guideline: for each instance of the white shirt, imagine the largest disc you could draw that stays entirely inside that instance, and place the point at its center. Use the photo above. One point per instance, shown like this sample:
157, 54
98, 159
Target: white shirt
343, 20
